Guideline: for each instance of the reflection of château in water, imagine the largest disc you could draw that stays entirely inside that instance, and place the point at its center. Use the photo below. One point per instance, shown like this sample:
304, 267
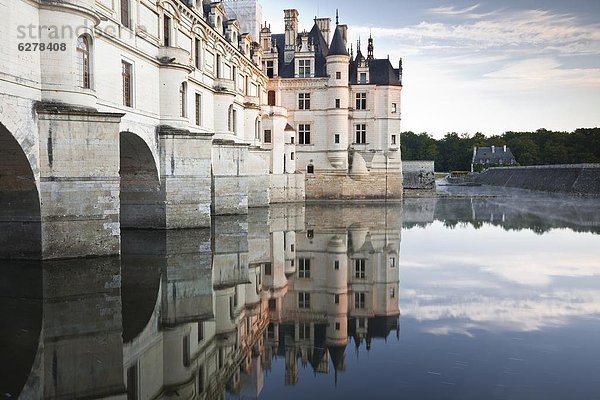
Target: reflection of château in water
339, 280
199, 314
304, 287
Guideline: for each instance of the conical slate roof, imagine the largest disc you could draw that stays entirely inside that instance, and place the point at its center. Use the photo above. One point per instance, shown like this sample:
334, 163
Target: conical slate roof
338, 47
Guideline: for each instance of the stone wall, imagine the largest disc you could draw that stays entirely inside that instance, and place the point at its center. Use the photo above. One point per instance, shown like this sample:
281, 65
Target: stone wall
571, 178
375, 186
287, 188
418, 175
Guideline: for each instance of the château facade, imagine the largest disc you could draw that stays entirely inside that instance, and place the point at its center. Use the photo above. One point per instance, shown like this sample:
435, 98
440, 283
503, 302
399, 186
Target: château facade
162, 113
342, 110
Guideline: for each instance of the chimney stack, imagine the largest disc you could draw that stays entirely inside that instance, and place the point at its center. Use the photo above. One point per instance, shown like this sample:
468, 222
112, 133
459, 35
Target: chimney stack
505, 148
493, 149
324, 25
291, 32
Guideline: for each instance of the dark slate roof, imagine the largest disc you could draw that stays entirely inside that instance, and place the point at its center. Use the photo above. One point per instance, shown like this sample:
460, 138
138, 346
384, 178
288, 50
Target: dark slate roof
338, 46
485, 154
321, 50
381, 72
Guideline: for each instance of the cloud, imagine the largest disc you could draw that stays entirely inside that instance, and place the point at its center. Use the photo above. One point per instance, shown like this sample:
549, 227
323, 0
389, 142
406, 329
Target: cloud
467, 12
463, 313
547, 71
452, 10
532, 30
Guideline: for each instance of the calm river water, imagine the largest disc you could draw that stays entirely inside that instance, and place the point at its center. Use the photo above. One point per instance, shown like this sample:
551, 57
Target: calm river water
478, 294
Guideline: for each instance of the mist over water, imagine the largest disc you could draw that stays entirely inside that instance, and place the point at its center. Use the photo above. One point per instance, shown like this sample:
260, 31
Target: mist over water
480, 293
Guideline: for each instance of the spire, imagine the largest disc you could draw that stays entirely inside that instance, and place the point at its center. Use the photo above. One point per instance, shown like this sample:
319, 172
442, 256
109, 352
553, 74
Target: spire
337, 16
370, 48
351, 51
338, 44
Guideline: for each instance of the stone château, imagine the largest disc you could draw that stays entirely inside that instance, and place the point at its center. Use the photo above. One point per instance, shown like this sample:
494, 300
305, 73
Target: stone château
159, 114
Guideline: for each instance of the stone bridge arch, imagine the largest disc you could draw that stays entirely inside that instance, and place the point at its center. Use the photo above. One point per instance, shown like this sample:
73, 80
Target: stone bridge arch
20, 216
142, 201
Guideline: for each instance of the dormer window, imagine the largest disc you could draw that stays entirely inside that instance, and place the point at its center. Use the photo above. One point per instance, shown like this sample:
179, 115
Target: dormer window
363, 77
304, 68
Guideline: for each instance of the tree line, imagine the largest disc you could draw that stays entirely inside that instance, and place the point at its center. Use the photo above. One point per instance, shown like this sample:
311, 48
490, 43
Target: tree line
543, 147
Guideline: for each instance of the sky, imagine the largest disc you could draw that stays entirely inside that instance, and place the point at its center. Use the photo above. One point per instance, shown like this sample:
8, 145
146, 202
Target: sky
487, 66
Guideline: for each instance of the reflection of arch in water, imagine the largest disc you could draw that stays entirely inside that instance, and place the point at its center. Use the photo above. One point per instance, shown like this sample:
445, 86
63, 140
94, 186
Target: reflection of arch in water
20, 226
141, 205
142, 259
20, 328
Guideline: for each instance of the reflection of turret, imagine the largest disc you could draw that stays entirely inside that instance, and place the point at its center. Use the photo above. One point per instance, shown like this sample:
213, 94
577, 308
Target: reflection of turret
337, 291
345, 284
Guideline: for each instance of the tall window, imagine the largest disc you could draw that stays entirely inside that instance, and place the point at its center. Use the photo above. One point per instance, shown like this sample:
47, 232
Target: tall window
200, 331
182, 99
304, 134
363, 77
198, 53
359, 300
132, 382
361, 134
234, 120
257, 129
230, 118
218, 65
361, 101
267, 136
198, 109
337, 103
167, 31
304, 331
338, 75
270, 69
304, 68
186, 351
393, 139
303, 300
304, 268
83, 61
304, 101
125, 16
127, 84
394, 108
271, 98
360, 268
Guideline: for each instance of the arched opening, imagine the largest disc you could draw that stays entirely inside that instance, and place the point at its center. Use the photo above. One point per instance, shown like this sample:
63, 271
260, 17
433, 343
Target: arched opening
141, 205
84, 61
257, 128
20, 221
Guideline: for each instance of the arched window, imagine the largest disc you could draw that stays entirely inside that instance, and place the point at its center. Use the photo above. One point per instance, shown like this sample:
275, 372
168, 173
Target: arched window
230, 118
257, 129
183, 98
83, 61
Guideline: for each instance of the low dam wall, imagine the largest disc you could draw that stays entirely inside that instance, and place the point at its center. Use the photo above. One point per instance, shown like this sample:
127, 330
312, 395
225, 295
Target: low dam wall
418, 175
571, 178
